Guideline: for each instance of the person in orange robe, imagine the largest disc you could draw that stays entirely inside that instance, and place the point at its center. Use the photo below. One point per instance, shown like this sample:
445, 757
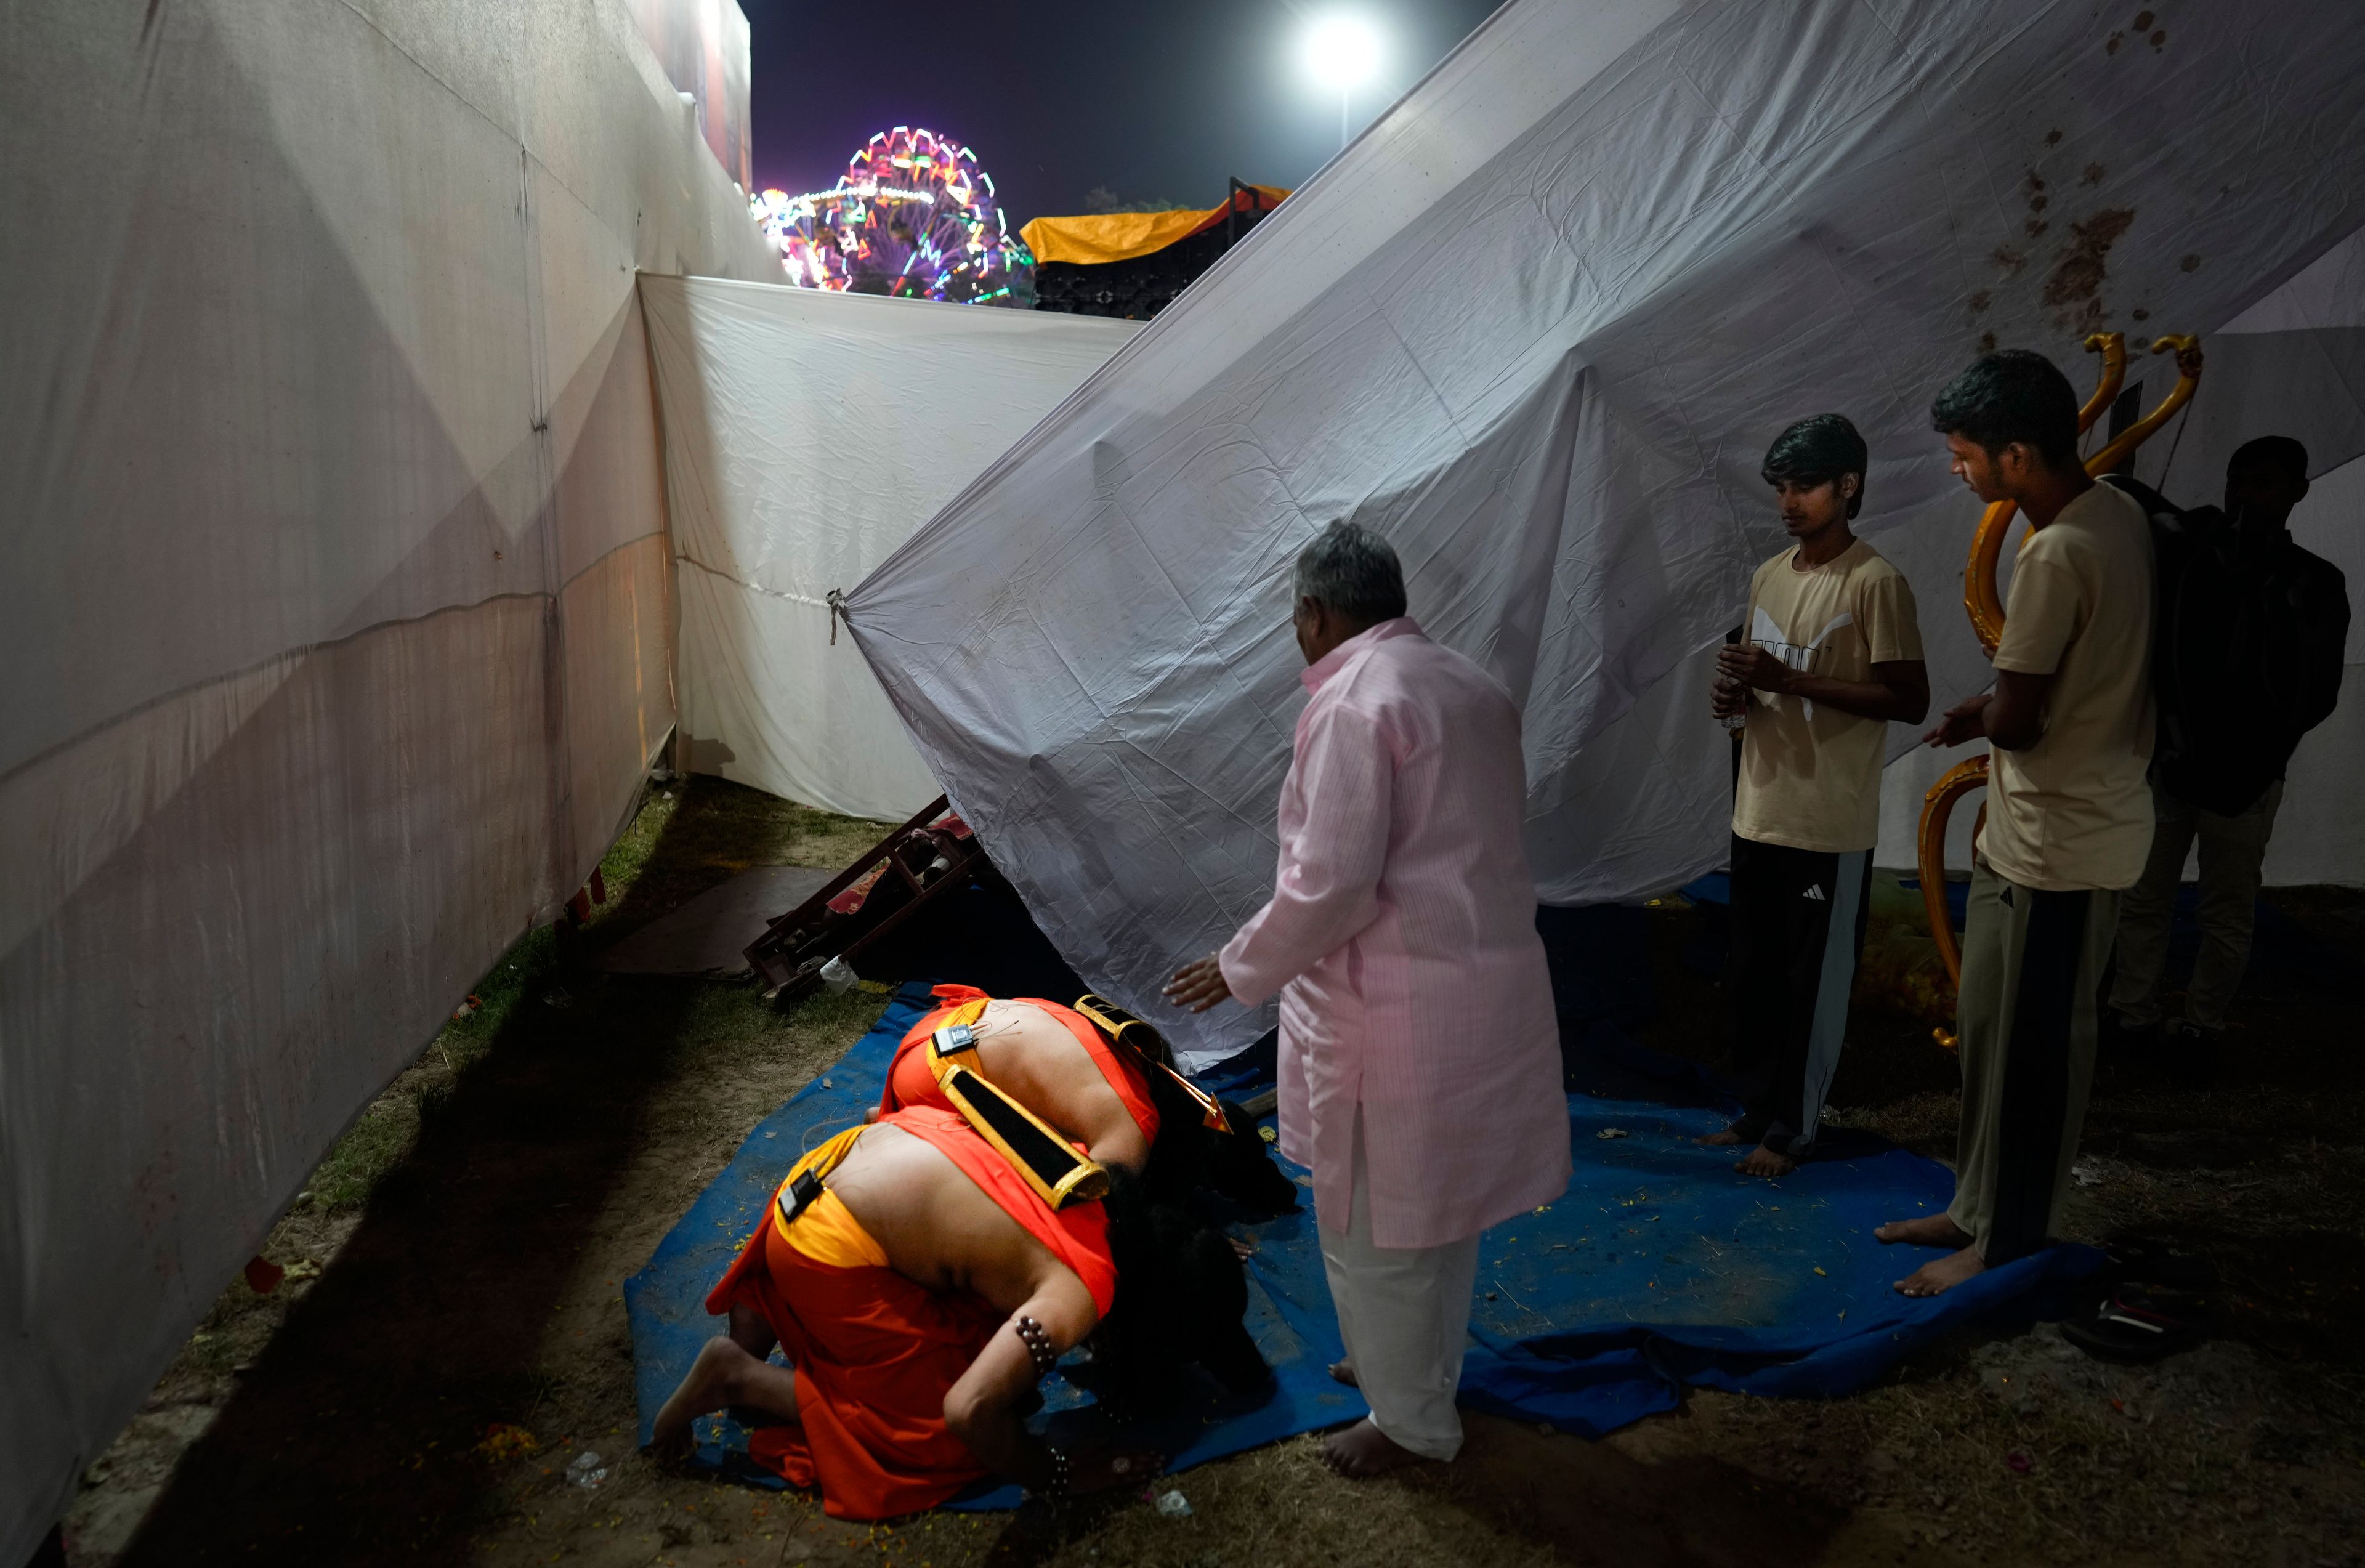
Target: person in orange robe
1097, 1095
919, 1299
1048, 1057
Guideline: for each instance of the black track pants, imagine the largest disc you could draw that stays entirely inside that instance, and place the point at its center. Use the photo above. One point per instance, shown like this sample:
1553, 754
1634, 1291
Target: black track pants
1797, 919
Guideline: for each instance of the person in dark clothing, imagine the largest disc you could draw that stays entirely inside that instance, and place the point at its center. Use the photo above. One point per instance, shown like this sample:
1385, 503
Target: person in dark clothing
1833, 652
2252, 636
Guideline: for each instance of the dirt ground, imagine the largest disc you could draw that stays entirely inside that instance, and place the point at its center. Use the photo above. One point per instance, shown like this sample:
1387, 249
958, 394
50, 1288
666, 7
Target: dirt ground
449, 1347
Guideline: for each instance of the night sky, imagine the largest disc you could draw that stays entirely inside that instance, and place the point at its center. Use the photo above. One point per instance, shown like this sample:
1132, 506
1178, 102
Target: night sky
1146, 100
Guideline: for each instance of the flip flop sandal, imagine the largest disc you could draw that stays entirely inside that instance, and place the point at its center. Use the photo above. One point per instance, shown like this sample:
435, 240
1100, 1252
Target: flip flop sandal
2134, 1323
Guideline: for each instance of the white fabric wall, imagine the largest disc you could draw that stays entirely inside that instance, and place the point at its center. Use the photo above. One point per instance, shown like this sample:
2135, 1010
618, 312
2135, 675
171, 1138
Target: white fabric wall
333, 606
806, 435
1538, 325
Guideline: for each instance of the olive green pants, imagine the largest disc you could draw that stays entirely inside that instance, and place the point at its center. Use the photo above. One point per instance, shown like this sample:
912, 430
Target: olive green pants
2032, 964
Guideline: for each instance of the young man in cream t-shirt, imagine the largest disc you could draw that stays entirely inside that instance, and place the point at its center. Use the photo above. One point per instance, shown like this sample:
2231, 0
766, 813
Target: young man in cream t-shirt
1833, 653
2069, 813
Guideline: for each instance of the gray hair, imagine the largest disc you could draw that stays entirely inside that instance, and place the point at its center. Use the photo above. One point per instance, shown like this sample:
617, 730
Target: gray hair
1351, 570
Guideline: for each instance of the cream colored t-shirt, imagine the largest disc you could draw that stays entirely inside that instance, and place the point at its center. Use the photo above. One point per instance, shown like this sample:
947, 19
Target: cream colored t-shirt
1809, 775
2073, 811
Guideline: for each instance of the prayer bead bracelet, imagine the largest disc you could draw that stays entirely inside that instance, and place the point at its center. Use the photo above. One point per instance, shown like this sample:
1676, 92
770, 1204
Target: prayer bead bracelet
1038, 1344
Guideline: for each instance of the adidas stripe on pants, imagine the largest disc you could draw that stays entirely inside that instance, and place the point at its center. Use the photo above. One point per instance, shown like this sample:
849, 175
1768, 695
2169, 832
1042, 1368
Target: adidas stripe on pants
1797, 927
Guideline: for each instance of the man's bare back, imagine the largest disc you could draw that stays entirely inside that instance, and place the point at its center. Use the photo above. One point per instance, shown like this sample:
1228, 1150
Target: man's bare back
938, 1230
1032, 1056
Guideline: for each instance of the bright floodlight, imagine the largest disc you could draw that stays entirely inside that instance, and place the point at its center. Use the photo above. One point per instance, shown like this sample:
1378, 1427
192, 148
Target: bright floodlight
1342, 51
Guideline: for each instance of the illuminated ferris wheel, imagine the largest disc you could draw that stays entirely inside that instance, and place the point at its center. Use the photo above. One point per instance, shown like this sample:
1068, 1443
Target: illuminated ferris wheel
914, 216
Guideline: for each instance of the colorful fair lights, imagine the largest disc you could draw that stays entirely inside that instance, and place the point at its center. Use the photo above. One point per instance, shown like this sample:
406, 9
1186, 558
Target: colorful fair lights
839, 193
913, 216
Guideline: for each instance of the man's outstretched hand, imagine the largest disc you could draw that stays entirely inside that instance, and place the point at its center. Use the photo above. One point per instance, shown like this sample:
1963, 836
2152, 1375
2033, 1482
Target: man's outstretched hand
1199, 986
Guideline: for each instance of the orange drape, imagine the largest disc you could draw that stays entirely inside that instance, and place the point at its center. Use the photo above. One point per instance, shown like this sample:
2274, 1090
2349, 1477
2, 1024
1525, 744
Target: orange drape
911, 1082
1097, 237
875, 1354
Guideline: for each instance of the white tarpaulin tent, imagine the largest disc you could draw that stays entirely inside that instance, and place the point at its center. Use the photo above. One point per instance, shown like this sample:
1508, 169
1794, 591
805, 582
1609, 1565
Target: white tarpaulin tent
806, 435
334, 604
2291, 364
1538, 325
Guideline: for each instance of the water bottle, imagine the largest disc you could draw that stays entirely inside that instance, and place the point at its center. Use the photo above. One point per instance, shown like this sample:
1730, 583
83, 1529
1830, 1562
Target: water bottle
1735, 722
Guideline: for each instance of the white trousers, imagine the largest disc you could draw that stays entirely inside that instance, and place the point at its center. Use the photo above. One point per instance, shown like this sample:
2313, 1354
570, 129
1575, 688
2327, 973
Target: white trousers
1405, 1314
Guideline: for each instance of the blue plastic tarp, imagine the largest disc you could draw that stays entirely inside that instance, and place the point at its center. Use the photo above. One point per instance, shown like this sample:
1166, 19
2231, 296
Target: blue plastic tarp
1289, 1309
1660, 1267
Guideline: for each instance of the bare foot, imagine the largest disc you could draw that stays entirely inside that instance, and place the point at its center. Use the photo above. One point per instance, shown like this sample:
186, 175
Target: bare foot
1935, 1278
1725, 1139
1244, 1250
1764, 1161
1344, 1372
1929, 1230
1362, 1450
713, 1379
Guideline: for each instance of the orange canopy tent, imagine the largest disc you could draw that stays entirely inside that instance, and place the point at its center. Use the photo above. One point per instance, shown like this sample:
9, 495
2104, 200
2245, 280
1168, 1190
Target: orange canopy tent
1096, 238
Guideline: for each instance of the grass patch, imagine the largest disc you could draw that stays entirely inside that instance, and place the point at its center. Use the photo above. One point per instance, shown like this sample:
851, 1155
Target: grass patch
376, 1145
689, 836
388, 1128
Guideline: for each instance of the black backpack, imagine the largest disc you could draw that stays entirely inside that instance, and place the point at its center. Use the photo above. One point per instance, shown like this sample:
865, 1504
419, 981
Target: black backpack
2247, 640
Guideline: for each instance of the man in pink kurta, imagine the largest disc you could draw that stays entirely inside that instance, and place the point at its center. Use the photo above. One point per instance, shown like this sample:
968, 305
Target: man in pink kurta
1419, 1060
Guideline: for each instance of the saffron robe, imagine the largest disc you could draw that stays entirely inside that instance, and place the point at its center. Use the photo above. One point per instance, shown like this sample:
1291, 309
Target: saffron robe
910, 1082
875, 1353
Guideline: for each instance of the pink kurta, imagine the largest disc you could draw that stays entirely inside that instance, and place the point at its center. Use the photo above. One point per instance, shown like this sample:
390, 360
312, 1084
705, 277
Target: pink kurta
1402, 936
